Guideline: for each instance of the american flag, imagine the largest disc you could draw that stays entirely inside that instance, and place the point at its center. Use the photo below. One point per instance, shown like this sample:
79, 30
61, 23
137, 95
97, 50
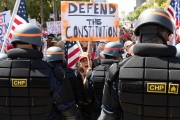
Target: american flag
20, 17
73, 51
174, 11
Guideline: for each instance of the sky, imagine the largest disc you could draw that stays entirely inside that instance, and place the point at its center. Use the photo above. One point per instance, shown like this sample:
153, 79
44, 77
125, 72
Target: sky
127, 5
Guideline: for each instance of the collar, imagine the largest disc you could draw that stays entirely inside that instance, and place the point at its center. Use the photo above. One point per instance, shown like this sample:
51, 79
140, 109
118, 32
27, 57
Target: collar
153, 49
24, 53
108, 61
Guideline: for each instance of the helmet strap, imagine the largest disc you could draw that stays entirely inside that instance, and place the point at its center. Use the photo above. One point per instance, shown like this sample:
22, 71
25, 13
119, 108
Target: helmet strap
34, 47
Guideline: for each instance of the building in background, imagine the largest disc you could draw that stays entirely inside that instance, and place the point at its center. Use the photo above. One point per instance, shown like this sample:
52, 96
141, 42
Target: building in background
140, 2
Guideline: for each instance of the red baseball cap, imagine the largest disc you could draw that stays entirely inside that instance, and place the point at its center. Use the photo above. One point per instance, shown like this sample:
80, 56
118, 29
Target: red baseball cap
126, 35
83, 55
10, 47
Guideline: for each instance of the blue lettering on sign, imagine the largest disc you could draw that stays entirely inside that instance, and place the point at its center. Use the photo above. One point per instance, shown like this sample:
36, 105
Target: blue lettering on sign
3, 24
3, 29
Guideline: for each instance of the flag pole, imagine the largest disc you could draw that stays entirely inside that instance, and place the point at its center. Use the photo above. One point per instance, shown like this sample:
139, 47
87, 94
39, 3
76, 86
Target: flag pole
10, 24
79, 46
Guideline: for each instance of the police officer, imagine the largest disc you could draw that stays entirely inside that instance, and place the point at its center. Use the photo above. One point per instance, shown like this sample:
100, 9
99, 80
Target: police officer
95, 79
145, 86
28, 84
55, 56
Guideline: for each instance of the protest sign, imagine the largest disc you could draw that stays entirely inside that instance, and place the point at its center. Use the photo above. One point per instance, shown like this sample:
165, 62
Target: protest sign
86, 21
33, 21
99, 0
4, 23
54, 27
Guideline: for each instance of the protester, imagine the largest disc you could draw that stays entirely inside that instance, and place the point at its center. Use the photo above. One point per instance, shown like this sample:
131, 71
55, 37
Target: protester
127, 45
130, 91
83, 64
49, 40
60, 44
83, 67
100, 48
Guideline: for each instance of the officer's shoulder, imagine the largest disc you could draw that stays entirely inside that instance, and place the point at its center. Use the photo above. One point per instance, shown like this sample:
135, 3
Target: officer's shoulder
69, 70
89, 74
96, 68
114, 69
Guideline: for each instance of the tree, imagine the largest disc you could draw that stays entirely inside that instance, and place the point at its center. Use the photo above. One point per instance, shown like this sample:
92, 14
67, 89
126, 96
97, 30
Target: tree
158, 4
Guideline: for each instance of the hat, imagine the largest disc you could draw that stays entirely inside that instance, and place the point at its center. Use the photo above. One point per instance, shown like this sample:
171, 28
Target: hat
55, 39
10, 47
127, 43
83, 55
127, 35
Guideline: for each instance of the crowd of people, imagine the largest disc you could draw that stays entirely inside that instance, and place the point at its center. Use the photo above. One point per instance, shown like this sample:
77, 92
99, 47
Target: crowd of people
110, 81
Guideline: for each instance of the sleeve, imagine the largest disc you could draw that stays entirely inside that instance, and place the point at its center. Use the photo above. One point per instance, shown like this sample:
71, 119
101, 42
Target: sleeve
89, 89
56, 92
111, 109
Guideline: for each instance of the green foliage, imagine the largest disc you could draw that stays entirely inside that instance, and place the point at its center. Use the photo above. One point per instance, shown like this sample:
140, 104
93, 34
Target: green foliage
138, 11
153, 4
159, 2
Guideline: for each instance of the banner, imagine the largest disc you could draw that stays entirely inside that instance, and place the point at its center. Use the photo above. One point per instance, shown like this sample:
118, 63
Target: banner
100, 1
33, 21
85, 21
54, 27
4, 23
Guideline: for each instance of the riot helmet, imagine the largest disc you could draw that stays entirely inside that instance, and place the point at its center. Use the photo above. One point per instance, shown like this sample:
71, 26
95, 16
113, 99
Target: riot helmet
153, 17
53, 54
27, 33
113, 49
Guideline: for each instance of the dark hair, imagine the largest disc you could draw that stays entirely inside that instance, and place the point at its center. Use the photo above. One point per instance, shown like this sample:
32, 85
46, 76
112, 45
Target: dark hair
23, 43
153, 33
52, 35
18, 42
109, 57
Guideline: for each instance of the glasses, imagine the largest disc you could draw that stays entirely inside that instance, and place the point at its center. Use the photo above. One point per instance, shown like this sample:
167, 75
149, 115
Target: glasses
50, 38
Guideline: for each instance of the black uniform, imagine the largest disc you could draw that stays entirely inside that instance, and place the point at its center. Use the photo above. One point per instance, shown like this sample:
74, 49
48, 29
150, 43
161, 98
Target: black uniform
95, 83
67, 93
145, 86
76, 83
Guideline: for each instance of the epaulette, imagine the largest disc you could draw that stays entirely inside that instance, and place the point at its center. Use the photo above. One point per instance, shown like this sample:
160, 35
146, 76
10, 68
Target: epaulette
114, 69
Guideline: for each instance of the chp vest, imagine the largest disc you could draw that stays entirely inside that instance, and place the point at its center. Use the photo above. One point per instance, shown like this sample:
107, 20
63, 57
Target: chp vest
98, 79
24, 86
149, 87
